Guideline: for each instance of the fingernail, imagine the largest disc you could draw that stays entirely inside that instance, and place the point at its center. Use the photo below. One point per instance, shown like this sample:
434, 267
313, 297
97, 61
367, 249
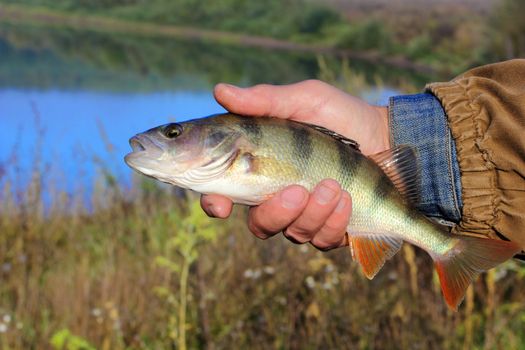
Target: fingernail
292, 197
341, 205
324, 194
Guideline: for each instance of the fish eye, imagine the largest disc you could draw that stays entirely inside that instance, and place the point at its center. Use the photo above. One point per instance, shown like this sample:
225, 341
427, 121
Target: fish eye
172, 130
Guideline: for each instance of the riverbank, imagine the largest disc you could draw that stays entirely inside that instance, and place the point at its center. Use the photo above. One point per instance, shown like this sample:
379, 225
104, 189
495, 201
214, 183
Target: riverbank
54, 18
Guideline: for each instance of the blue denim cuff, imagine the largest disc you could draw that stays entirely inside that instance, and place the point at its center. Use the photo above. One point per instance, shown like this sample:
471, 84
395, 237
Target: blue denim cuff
419, 120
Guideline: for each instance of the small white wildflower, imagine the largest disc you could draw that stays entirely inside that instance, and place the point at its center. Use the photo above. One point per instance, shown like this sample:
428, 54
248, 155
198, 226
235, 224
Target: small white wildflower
96, 312
269, 270
329, 268
256, 274
500, 273
335, 279
310, 282
7, 318
248, 273
303, 248
3, 328
392, 275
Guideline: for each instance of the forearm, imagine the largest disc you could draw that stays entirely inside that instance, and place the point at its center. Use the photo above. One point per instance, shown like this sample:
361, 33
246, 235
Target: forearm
485, 108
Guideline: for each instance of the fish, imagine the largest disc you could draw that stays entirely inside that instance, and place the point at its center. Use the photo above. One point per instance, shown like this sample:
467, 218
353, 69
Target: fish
249, 159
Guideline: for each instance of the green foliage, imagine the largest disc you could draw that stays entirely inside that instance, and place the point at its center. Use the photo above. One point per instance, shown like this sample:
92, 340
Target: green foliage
314, 19
507, 30
369, 35
251, 17
419, 47
41, 57
448, 38
65, 340
195, 230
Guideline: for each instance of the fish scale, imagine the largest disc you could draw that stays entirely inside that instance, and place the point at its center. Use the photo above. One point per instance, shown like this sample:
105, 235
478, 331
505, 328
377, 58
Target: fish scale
250, 159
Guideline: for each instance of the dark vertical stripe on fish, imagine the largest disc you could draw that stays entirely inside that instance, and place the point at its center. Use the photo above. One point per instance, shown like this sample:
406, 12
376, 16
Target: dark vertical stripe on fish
252, 128
349, 160
302, 142
412, 214
383, 187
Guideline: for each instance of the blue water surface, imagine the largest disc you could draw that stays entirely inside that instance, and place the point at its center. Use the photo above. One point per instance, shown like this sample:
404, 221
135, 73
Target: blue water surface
83, 129
76, 132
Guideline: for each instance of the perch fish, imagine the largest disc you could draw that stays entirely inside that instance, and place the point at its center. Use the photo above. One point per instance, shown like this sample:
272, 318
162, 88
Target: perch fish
249, 159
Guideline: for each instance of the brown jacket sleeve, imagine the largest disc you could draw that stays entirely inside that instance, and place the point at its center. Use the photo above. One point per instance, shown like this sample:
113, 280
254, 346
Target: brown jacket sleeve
486, 113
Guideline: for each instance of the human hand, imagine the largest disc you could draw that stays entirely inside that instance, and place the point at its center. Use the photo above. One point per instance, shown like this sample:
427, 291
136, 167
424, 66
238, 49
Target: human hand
321, 217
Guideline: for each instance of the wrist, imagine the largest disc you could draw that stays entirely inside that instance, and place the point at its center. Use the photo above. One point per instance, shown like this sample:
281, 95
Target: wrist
383, 127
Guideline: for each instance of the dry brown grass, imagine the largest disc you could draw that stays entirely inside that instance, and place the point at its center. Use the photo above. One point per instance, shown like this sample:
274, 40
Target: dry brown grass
111, 276
143, 268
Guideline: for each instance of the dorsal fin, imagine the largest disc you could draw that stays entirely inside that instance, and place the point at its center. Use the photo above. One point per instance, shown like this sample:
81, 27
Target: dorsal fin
401, 166
371, 251
336, 136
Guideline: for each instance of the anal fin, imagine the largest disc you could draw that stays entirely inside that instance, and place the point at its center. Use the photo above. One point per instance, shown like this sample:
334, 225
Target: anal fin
371, 251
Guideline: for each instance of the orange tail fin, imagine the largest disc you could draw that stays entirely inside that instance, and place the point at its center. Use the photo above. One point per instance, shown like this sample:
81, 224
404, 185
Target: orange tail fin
469, 257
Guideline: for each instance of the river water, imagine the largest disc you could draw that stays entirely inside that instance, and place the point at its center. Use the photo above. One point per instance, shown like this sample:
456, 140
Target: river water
69, 99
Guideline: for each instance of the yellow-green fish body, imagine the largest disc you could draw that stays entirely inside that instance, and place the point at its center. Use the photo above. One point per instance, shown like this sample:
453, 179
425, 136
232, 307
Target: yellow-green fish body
249, 159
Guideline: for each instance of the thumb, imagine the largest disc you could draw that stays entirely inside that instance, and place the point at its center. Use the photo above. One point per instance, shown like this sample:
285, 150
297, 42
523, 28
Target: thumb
259, 100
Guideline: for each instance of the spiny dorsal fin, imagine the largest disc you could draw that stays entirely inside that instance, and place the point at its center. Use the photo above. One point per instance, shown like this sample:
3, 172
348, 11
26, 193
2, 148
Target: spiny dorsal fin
371, 251
336, 136
401, 166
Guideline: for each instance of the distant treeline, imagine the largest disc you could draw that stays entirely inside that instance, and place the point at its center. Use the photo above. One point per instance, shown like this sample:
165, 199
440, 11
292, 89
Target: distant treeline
40, 57
273, 18
450, 38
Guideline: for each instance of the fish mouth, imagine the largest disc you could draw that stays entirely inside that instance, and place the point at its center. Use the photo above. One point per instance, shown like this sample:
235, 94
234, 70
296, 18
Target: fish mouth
136, 145
144, 149
140, 143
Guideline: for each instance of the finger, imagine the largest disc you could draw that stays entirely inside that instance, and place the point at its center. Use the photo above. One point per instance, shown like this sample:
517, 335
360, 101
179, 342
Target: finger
332, 234
284, 101
216, 206
320, 206
258, 100
278, 212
